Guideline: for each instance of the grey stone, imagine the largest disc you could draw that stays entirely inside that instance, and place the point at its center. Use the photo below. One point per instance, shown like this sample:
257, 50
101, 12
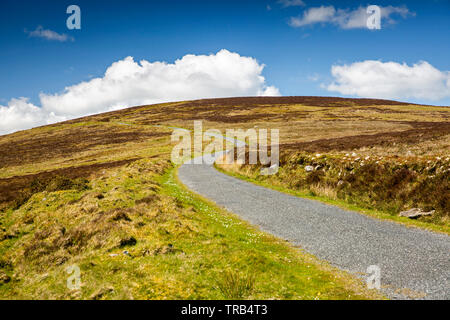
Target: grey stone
415, 213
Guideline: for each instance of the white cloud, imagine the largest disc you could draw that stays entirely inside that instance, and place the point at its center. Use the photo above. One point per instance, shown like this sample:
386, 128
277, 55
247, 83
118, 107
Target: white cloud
19, 114
129, 83
40, 32
291, 3
391, 80
346, 18
402, 11
314, 15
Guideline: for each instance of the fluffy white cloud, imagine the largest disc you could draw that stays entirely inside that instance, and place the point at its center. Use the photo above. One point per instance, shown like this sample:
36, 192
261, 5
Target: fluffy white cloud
19, 114
129, 83
391, 80
40, 32
346, 18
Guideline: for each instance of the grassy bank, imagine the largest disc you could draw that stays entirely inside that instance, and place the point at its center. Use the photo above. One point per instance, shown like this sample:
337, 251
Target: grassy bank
177, 246
378, 190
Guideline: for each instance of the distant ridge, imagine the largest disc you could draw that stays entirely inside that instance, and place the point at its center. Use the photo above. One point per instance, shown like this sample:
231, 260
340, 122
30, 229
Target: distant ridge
307, 100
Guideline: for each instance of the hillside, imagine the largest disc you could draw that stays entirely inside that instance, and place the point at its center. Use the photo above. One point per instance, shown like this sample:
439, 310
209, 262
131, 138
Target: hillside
100, 192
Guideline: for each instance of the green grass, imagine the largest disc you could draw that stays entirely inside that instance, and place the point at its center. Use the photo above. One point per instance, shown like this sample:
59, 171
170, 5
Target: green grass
340, 203
256, 263
187, 248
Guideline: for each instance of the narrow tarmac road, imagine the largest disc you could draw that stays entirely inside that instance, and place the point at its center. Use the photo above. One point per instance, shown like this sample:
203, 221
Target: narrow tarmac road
414, 263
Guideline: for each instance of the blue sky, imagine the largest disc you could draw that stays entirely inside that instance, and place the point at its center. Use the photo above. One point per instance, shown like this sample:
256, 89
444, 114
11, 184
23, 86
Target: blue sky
298, 60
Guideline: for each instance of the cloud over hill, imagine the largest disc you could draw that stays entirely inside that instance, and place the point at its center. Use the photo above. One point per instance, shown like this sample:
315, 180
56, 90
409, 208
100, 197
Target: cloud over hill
391, 80
127, 83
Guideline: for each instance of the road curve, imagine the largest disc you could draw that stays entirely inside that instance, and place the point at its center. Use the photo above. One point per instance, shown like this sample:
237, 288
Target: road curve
414, 263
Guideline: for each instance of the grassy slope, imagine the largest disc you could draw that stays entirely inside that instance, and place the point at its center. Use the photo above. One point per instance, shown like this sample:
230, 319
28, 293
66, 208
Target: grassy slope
185, 247
179, 245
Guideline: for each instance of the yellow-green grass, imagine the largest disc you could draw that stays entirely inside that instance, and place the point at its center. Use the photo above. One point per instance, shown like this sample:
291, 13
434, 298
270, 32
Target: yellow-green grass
186, 247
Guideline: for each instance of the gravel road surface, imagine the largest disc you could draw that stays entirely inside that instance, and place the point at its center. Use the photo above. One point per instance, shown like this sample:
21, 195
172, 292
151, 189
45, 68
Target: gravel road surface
414, 263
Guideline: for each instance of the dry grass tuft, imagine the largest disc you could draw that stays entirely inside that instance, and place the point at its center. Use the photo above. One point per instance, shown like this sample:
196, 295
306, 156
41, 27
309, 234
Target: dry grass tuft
235, 285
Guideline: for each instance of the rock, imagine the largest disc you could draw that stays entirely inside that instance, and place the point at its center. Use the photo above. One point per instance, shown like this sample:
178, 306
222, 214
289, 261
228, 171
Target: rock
309, 168
415, 213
